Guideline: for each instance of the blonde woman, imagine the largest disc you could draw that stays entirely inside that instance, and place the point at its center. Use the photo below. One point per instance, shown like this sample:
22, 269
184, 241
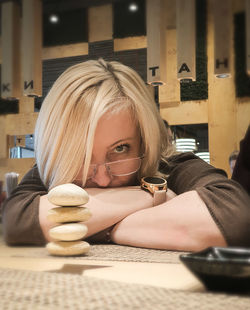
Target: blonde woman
100, 129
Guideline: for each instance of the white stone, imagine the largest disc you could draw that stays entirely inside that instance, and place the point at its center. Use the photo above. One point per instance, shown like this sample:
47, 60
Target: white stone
68, 214
68, 248
68, 232
68, 194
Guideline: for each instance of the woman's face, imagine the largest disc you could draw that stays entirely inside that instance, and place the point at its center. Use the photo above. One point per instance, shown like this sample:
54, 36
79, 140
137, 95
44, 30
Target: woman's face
116, 138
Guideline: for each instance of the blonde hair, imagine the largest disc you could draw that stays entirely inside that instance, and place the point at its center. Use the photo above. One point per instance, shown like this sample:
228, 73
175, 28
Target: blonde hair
70, 112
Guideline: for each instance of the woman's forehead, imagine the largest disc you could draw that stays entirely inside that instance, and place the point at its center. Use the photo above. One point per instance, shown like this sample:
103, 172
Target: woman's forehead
115, 127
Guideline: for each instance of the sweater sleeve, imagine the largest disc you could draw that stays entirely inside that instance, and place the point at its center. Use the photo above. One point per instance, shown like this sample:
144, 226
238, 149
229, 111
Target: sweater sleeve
21, 211
226, 200
241, 171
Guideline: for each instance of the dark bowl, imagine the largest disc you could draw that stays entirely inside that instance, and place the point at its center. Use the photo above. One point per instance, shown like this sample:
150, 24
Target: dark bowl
221, 269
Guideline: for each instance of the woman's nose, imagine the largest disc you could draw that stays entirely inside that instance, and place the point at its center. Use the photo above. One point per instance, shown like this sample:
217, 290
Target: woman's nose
102, 177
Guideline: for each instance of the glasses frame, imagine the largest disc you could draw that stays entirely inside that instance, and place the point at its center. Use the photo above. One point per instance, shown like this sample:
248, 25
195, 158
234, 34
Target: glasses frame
112, 162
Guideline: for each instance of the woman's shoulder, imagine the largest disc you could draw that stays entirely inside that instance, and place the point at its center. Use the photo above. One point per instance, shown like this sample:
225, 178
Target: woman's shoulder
186, 171
33, 179
186, 160
182, 160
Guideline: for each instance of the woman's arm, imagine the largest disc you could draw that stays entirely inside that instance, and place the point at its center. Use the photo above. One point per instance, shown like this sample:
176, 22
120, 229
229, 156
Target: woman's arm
20, 211
209, 210
108, 207
183, 223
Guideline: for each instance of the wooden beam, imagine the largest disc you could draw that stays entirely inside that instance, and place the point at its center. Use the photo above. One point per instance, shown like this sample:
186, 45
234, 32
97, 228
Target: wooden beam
186, 112
100, 21
222, 126
222, 21
26, 104
20, 124
156, 42
186, 39
130, 43
32, 47
169, 93
10, 71
63, 51
3, 138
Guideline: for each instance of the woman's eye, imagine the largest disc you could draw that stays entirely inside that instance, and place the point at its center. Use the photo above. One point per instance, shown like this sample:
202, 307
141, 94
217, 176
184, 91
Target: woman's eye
121, 148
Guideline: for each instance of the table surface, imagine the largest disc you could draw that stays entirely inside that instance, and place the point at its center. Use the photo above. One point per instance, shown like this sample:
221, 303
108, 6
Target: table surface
166, 275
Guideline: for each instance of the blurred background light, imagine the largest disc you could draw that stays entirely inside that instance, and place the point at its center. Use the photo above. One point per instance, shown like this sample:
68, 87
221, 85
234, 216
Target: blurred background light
54, 19
133, 7
204, 155
185, 145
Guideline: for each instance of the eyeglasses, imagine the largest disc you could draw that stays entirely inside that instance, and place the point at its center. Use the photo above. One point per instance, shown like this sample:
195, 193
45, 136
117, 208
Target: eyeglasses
117, 168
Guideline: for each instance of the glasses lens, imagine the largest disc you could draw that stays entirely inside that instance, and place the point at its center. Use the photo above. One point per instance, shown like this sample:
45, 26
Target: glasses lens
124, 167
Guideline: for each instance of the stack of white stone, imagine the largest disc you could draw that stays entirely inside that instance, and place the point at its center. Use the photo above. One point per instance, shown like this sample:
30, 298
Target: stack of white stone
69, 232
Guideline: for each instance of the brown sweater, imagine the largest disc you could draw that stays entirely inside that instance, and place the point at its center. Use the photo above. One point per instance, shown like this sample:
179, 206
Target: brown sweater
241, 171
226, 200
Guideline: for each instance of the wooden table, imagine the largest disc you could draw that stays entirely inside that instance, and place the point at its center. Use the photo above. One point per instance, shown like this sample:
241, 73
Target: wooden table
105, 284
173, 276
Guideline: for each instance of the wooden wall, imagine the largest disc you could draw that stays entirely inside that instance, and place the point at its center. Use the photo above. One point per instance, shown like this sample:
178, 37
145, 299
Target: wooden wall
226, 115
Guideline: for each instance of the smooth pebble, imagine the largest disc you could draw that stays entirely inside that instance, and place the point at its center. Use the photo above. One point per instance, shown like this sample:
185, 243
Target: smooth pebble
68, 194
68, 248
68, 214
68, 232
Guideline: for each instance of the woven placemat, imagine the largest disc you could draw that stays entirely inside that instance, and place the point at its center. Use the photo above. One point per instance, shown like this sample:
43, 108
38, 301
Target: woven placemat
112, 252
43, 290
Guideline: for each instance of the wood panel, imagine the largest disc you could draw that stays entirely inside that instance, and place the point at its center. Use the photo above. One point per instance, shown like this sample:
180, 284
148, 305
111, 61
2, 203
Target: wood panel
130, 43
3, 138
31, 53
15, 124
222, 127
26, 104
170, 92
186, 112
100, 21
19, 165
156, 45
10, 71
186, 39
63, 51
222, 21
20, 124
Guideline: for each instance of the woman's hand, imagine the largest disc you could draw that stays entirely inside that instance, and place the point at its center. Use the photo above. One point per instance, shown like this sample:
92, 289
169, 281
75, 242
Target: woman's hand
44, 208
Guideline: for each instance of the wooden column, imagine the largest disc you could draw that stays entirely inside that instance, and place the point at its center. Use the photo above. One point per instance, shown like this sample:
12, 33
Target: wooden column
222, 20
247, 18
10, 71
156, 42
222, 130
169, 94
32, 47
100, 21
186, 39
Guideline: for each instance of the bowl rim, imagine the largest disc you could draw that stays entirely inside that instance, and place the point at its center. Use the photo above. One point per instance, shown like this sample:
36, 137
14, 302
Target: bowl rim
218, 255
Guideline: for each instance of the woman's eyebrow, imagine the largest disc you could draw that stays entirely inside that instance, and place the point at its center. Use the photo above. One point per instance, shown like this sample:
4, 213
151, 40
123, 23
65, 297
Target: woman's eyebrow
122, 140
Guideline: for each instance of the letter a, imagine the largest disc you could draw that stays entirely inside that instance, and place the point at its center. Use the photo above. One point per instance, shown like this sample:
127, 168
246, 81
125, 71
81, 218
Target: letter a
184, 67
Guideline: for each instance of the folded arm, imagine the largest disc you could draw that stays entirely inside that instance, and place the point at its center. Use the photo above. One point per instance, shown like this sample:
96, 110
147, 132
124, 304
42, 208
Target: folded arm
203, 213
183, 223
108, 207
